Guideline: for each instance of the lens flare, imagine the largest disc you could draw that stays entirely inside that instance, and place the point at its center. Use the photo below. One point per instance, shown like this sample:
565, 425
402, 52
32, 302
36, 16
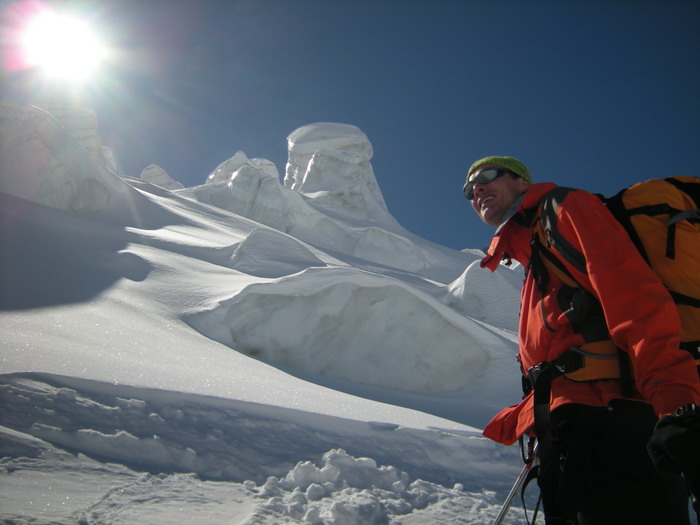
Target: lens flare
59, 45
62, 46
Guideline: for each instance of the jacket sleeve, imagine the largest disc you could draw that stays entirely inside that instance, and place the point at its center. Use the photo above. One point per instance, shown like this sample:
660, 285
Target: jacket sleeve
641, 316
511, 422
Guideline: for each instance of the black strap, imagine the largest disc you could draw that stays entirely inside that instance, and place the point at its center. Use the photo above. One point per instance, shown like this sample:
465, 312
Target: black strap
548, 206
541, 377
691, 189
536, 266
544, 252
693, 347
661, 209
671, 241
680, 298
626, 375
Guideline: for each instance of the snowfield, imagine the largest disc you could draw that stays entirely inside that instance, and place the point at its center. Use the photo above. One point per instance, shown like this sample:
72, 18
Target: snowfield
248, 351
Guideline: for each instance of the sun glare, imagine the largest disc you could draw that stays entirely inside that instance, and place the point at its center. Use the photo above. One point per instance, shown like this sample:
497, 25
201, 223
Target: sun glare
62, 46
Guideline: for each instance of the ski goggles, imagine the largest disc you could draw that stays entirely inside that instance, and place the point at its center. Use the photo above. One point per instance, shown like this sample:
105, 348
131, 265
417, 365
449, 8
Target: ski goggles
483, 177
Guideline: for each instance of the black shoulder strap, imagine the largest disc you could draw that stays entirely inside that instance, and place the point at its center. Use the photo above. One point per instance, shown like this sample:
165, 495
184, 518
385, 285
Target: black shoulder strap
563, 247
692, 189
548, 240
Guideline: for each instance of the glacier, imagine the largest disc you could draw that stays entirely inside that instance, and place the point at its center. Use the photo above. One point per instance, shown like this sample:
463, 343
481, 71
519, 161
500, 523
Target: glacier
255, 349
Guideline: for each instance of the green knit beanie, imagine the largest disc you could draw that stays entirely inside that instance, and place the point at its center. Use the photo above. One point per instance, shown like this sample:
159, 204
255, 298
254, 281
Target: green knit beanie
509, 163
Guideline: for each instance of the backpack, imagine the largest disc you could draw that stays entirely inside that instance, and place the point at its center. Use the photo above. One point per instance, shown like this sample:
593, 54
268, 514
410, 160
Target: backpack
662, 218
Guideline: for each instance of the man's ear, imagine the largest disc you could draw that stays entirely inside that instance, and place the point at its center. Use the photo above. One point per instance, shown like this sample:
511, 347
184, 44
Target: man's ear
524, 185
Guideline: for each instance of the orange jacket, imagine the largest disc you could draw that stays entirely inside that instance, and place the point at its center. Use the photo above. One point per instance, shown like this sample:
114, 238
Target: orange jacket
639, 312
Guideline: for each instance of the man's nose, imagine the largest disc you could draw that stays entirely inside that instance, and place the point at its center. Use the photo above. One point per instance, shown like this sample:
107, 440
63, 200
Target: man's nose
479, 188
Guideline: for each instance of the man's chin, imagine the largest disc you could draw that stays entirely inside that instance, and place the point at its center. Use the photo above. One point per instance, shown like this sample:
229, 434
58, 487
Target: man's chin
491, 218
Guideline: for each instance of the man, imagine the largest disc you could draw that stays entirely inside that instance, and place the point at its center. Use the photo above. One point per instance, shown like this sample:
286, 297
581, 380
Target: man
595, 468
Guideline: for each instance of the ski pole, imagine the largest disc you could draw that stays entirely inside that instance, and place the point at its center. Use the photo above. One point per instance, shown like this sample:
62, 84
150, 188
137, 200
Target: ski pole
529, 463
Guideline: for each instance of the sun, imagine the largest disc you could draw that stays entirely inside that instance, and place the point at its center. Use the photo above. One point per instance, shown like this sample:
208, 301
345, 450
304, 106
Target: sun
62, 46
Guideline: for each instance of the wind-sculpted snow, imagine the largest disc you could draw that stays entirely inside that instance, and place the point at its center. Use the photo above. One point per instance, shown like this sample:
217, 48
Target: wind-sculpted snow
158, 176
330, 163
82, 125
259, 254
225, 170
348, 216
352, 325
43, 163
251, 191
330, 197
472, 294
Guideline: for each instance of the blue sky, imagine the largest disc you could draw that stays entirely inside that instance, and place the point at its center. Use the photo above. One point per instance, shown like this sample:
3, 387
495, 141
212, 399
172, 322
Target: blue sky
592, 94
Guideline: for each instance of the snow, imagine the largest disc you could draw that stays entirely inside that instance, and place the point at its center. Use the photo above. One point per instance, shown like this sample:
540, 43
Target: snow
159, 177
245, 351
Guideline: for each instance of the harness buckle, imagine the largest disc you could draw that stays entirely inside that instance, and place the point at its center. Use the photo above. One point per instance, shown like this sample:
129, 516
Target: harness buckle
534, 372
569, 361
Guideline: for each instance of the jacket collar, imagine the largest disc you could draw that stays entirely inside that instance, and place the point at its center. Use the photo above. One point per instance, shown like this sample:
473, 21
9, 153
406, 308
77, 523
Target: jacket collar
512, 238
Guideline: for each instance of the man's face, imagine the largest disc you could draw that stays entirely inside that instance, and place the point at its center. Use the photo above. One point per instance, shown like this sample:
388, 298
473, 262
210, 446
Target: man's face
491, 200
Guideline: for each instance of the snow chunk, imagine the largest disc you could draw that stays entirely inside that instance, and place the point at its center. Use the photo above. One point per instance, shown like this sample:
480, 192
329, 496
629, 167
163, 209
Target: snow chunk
355, 491
81, 123
472, 293
329, 163
343, 141
267, 253
225, 171
355, 326
110, 158
247, 187
57, 169
158, 176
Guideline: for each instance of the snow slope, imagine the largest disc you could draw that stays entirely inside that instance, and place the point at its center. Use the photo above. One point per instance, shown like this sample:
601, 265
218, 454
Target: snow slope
245, 351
